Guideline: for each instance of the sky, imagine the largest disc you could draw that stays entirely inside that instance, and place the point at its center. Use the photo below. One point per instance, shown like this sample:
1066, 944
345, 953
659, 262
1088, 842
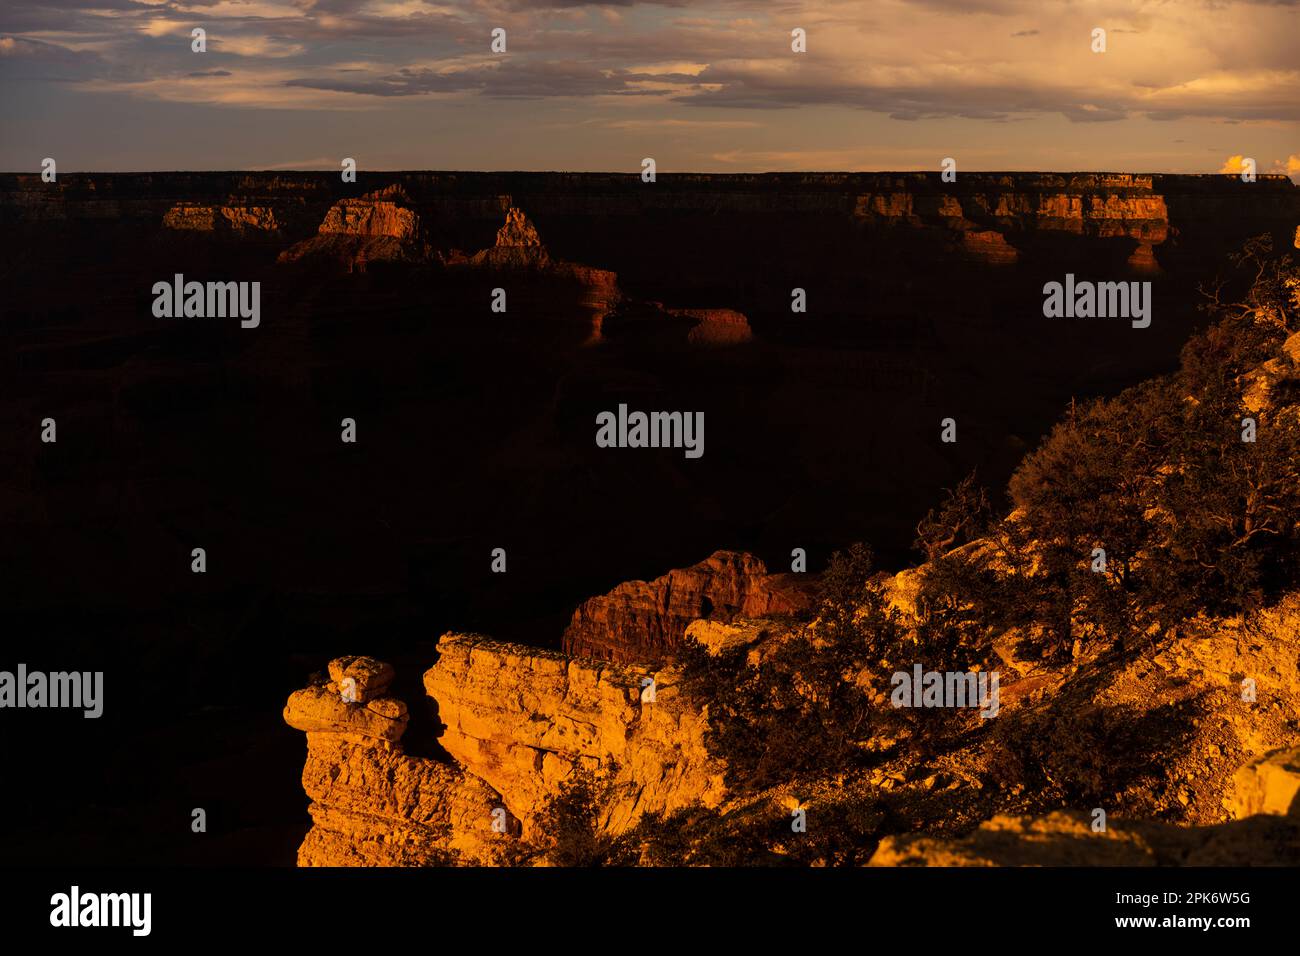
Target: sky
699, 85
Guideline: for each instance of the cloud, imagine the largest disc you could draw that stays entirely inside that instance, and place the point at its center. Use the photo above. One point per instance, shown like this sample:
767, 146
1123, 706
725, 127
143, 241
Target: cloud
320, 162
24, 58
1289, 167
511, 79
680, 124
915, 61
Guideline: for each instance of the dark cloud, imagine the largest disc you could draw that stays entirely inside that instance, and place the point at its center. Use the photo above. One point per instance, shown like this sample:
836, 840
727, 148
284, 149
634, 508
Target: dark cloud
22, 58
570, 4
513, 79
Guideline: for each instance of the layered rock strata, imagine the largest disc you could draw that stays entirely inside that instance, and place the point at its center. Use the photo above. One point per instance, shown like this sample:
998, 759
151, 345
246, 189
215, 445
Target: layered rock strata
371, 804
646, 620
523, 720
518, 723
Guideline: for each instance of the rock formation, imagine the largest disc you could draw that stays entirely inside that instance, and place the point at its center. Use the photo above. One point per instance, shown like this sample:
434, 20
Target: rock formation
523, 720
652, 326
518, 723
376, 227
1068, 839
373, 215
372, 805
531, 275
980, 216
517, 245
716, 326
643, 621
1263, 801
986, 216
237, 219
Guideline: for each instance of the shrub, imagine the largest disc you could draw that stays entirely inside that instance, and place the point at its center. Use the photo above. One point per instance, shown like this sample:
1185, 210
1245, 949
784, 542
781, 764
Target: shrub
568, 831
803, 710
962, 517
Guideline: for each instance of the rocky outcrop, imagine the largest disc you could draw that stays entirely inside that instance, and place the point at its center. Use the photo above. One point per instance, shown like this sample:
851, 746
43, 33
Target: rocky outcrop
517, 723
375, 806
371, 804
988, 246
524, 720
1264, 803
1269, 784
718, 637
716, 326
518, 246
978, 213
530, 275
236, 219
1068, 839
643, 621
376, 214
1143, 259
982, 216
653, 326
1280, 373
377, 227
598, 292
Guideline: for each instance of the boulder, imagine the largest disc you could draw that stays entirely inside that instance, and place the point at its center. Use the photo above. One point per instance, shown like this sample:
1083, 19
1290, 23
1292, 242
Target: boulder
322, 709
369, 678
1268, 784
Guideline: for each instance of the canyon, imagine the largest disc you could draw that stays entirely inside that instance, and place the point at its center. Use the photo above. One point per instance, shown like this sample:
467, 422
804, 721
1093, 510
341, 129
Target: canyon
476, 432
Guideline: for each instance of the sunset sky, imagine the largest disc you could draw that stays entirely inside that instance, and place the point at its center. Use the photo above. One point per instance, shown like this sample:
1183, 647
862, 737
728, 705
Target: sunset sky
706, 85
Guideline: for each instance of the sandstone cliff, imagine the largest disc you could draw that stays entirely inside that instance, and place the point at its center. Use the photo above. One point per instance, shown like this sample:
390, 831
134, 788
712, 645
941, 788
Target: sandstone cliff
529, 274
371, 804
517, 245
235, 219
647, 620
989, 217
377, 227
523, 720
518, 723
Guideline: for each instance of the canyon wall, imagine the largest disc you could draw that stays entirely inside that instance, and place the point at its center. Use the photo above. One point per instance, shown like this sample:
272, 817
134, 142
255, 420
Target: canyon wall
523, 720
517, 723
990, 217
371, 804
647, 620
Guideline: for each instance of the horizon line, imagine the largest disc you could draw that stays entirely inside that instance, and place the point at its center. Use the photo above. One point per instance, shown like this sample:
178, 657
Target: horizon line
636, 174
